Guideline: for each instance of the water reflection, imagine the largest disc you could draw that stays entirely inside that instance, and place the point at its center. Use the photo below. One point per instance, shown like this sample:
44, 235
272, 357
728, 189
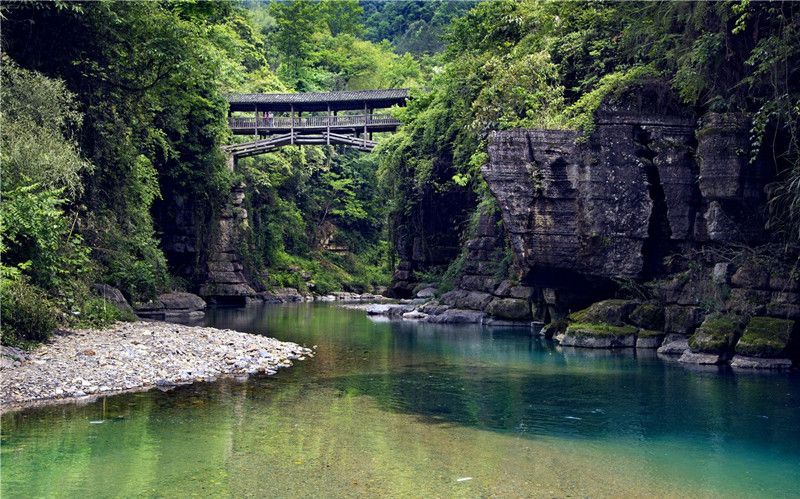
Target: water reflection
398, 407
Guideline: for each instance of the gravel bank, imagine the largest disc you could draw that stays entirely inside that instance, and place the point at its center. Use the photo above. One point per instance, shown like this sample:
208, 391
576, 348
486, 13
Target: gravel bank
135, 356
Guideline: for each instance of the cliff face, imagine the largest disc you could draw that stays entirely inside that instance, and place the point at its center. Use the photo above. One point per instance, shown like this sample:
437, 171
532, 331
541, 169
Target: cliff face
650, 181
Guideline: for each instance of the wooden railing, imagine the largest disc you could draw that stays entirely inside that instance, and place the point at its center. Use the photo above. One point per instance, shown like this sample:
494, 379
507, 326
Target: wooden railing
285, 122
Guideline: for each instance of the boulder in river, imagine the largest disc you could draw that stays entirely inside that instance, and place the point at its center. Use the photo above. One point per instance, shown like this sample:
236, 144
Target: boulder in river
598, 335
177, 303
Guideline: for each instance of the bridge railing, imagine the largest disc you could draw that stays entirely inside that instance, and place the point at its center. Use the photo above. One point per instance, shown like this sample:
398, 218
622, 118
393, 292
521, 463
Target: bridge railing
286, 122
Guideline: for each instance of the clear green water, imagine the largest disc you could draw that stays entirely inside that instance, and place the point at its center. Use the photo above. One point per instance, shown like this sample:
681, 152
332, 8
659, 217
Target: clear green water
406, 410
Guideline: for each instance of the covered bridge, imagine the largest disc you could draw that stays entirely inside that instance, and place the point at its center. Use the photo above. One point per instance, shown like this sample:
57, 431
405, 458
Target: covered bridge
346, 117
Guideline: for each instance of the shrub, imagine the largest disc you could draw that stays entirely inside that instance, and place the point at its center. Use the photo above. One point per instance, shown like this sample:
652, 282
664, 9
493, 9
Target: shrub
28, 314
97, 312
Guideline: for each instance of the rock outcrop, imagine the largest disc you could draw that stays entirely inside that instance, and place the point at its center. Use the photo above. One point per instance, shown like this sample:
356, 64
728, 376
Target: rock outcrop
173, 304
225, 280
112, 295
582, 215
650, 181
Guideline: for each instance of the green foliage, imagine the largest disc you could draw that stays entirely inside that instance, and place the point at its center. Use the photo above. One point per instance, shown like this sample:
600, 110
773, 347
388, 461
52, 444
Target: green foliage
37, 125
96, 312
28, 313
38, 239
412, 26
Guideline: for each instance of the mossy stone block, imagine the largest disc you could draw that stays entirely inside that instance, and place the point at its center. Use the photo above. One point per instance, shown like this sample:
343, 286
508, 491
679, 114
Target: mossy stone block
599, 335
612, 312
765, 337
648, 315
717, 334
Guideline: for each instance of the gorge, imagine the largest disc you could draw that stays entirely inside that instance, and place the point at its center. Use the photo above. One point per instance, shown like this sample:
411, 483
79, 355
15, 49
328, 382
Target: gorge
348, 248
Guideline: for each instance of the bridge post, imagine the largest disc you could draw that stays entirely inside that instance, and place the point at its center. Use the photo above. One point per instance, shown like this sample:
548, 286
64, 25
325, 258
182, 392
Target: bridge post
230, 160
328, 126
365, 124
292, 124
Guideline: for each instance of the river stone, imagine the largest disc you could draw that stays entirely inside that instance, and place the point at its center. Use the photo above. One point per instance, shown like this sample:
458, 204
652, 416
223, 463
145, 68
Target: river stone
429, 292
689, 357
744, 362
613, 312
765, 337
598, 336
433, 308
397, 311
457, 316
649, 339
378, 309
716, 335
414, 315
674, 345
509, 308
181, 302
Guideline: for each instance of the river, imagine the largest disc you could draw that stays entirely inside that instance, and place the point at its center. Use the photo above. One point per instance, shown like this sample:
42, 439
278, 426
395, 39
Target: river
399, 409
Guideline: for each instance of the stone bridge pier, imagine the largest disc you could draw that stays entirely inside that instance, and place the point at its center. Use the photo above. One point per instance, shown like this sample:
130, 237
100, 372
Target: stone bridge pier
225, 281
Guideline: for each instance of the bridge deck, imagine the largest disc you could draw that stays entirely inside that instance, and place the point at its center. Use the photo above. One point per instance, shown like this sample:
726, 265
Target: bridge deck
283, 124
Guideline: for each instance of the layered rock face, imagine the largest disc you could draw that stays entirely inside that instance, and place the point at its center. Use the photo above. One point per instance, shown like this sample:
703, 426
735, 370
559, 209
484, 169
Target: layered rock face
651, 181
225, 279
482, 285
647, 183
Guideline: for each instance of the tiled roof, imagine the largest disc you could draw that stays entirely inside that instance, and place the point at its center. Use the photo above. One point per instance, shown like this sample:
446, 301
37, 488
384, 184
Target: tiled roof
390, 94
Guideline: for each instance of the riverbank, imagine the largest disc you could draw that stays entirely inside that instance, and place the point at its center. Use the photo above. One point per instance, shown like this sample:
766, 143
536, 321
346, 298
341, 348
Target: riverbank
83, 364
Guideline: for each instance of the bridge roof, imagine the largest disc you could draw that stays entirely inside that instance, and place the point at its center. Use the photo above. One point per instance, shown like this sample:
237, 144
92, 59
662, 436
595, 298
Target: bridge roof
318, 101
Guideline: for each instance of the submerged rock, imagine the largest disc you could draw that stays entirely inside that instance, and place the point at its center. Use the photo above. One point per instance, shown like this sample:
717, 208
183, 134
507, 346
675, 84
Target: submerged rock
458, 316
744, 362
690, 357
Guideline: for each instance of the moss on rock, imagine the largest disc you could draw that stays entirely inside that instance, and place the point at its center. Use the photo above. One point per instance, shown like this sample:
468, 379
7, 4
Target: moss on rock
600, 329
648, 315
717, 334
765, 337
648, 333
599, 335
613, 312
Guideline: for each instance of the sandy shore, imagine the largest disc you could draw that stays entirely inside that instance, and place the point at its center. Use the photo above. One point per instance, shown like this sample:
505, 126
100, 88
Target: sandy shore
82, 364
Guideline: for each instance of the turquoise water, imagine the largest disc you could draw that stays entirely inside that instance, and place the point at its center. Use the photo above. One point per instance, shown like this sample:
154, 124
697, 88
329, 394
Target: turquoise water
411, 410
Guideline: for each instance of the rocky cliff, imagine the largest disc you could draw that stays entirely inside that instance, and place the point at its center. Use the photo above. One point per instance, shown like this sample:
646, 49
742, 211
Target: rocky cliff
656, 205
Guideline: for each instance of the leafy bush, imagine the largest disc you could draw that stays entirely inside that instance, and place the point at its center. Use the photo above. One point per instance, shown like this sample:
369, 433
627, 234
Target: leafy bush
97, 312
28, 314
